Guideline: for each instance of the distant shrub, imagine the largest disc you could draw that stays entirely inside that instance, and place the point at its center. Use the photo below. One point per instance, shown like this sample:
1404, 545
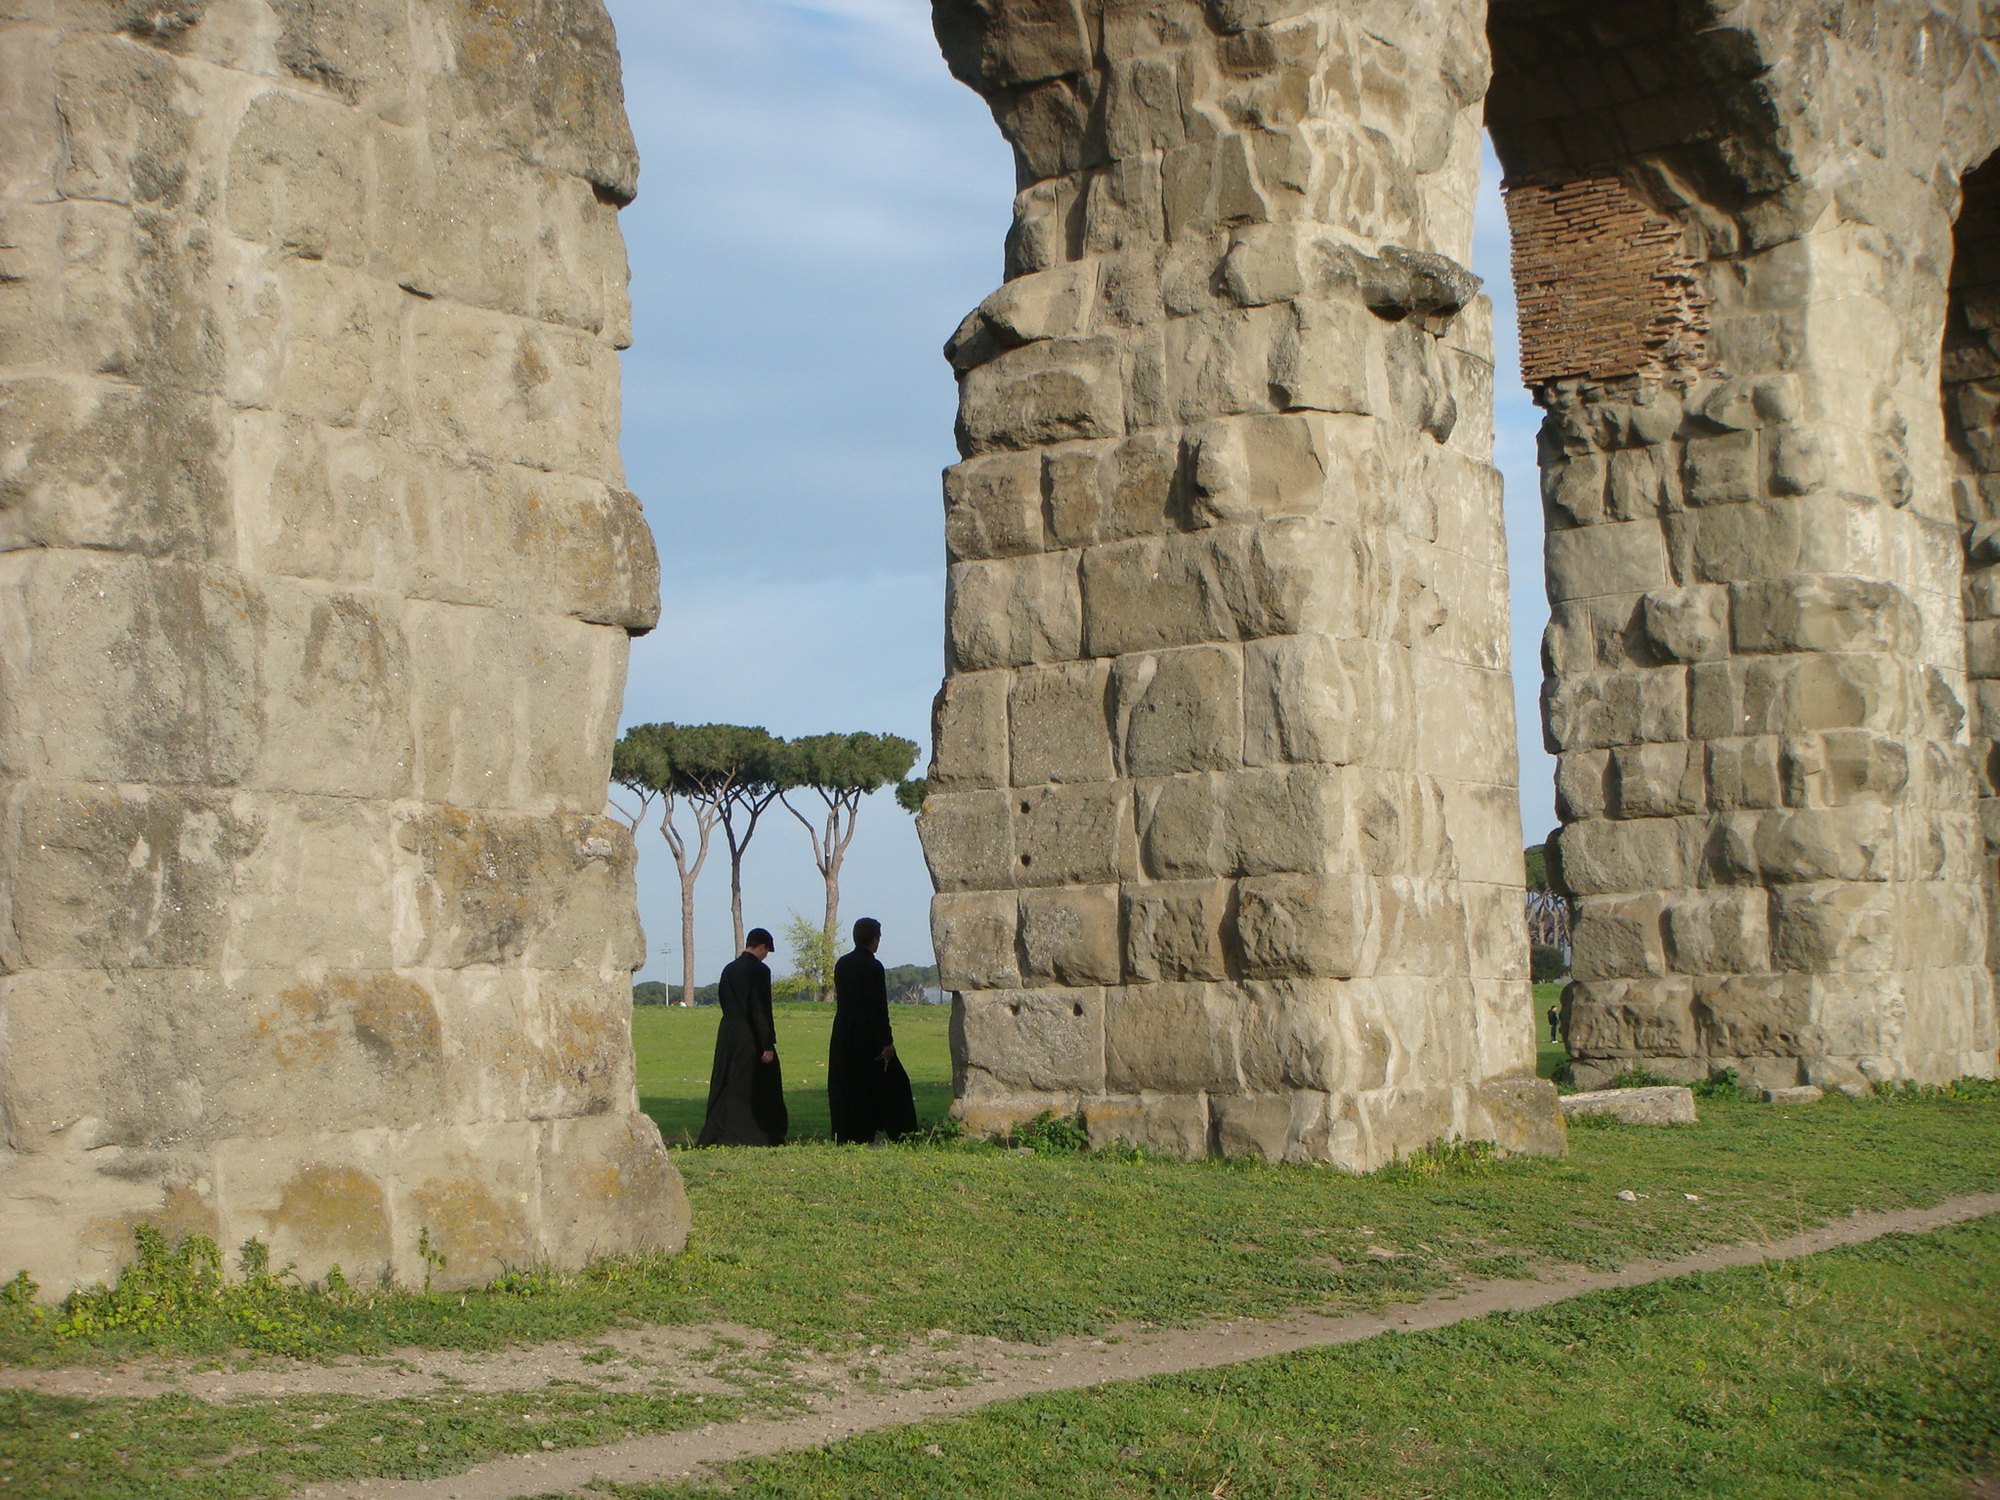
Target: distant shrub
1547, 964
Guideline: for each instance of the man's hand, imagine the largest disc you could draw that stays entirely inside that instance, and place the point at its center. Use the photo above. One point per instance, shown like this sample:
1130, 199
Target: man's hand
768, 1056
889, 1053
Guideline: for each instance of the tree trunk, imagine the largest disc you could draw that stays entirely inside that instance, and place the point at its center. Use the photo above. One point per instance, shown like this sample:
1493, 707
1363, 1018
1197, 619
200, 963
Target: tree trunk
736, 893
832, 922
687, 940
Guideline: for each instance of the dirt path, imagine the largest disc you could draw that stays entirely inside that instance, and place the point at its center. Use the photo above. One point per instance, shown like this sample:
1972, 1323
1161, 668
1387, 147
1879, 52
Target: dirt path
996, 1372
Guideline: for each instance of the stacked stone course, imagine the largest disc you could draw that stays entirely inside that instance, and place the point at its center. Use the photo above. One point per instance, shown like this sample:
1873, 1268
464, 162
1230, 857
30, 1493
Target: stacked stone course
1223, 815
317, 577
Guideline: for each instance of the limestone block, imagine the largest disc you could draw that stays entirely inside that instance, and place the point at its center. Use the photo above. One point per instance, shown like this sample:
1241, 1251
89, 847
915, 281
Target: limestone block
1070, 835
1179, 711
1641, 484
1617, 937
1047, 1039
1688, 624
291, 183
106, 465
1281, 820
355, 507
974, 935
126, 876
1210, 183
545, 86
1012, 612
1573, 490
969, 732
1043, 392
1843, 767
545, 743
460, 220
127, 670
1176, 931
1743, 773
1498, 946
1817, 613
1253, 468
1177, 1038
1749, 1017
1803, 691
1582, 785
1722, 470
1058, 722
1836, 928
1602, 856
988, 45
993, 507
526, 393
1291, 926
321, 342
1157, 593
1657, 781
1313, 699
1180, 827
1174, 1125
1521, 1113
1725, 931
1598, 709
1650, 1106
1804, 1093
550, 1045
1825, 844
629, 1196
1070, 937
550, 891
1610, 1018
1627, 557
1329, 359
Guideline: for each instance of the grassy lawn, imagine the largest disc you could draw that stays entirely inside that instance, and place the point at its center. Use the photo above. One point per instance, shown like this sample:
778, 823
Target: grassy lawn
833, 1247
1871, 1372
675, 1048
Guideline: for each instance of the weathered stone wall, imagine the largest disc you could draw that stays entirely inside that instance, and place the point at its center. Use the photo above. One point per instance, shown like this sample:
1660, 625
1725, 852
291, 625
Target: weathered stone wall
317, 580
1971, 378
1757, 657
1223, 815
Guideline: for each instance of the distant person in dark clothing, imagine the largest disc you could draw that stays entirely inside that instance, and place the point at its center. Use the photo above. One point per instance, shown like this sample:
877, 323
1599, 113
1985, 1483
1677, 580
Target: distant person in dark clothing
867, 1089
746, 1092
1555, 1024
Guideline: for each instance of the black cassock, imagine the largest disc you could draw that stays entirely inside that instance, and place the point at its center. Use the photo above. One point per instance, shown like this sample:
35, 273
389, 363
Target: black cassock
746, 1097
865, 1092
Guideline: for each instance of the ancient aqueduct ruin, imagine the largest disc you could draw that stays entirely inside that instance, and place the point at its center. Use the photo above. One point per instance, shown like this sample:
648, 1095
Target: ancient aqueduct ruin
319, 569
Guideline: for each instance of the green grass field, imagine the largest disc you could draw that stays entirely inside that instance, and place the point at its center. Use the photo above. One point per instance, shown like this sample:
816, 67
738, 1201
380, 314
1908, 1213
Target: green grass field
1869, 1374
837, 1247
675, 1048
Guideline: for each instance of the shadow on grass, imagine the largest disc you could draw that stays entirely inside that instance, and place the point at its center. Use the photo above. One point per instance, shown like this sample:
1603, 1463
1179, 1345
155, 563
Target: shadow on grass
680, 1119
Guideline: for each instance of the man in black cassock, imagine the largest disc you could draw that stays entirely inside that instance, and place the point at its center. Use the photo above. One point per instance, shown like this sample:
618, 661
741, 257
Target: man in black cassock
866, 1088
746, 1092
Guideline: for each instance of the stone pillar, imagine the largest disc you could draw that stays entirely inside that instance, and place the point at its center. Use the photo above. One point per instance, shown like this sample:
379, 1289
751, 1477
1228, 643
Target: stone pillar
1971, 377
317, 578
1729, 244
1223, 816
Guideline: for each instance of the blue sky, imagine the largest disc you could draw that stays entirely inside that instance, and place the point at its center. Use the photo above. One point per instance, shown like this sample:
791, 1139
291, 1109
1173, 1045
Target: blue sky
819, 204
